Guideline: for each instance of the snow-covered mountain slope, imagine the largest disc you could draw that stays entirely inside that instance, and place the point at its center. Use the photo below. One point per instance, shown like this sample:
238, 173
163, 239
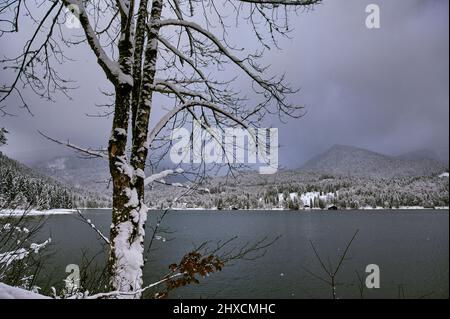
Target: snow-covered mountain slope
353, 178
87, 173
439, 155
353, 161
295, 189
24, 187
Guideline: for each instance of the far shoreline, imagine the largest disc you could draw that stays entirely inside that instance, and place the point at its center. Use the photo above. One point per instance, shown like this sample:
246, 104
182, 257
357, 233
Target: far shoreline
32, 213
302, 210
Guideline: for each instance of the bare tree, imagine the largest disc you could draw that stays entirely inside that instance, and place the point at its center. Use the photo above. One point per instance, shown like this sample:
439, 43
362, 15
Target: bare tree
331, 272
3, 138
21, 259
174, 48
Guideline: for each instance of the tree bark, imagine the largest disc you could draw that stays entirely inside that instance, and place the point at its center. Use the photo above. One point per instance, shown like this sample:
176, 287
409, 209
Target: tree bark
140, 146
129, 210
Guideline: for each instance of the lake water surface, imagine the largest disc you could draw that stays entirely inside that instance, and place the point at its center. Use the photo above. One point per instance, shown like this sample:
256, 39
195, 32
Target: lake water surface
410, 247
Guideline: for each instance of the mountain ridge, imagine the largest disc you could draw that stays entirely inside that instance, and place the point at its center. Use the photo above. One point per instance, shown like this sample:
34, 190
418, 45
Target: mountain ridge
356, 161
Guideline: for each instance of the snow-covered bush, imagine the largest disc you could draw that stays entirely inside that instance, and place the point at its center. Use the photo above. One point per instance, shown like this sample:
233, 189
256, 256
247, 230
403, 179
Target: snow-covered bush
20, 256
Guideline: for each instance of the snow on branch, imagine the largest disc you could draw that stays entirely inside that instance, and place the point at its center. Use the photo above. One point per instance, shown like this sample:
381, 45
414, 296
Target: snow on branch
168, 88
111, 68
273, 88
159, 178
179, 15
202, 261
9, 257
161, 175
113, 294
183, 57
90, 223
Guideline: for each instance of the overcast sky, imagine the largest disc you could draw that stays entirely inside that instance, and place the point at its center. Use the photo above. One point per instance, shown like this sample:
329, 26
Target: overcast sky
385, 90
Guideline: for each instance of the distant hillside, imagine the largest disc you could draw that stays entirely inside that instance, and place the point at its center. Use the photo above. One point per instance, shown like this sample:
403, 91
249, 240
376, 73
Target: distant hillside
350, 188
353, 161
344, 176
295, 189
426, 154
92, 174
86, 173
23, 187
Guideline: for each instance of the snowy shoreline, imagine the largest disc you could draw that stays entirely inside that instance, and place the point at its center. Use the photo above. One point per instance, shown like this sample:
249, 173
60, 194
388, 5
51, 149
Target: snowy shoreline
31, 213
303, 210
34, 212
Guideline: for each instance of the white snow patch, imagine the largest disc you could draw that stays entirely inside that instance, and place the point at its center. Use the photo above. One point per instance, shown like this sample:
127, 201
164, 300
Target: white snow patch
22, 212
133, 197
158, 176
121, 131
306, 198
9, 292
140, 173
9, 257
177, 185
123, 166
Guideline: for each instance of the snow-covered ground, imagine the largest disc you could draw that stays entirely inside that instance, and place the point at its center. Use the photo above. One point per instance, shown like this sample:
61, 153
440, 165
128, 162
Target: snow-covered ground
372, 208
21, 212
8, 292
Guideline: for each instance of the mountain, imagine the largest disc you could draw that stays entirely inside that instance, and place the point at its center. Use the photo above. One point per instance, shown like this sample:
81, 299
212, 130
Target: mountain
426, 154
87, 173
353, 161
353, 183
295, 189
24, 187
34, 157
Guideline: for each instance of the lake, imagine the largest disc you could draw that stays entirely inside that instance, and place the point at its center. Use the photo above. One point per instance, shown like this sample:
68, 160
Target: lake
410, 248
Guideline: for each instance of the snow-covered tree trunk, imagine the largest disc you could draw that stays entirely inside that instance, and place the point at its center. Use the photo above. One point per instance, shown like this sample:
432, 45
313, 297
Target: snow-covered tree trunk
126, 258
